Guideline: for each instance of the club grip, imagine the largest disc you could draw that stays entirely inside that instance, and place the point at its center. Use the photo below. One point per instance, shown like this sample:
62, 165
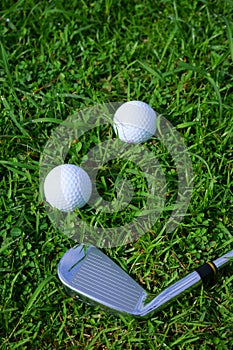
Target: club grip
207, 272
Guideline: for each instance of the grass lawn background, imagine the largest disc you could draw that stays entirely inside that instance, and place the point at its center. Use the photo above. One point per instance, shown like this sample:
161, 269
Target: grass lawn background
57, 57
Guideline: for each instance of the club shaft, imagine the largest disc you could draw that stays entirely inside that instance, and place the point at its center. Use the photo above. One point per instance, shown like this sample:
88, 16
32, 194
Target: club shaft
223, 260
192, 280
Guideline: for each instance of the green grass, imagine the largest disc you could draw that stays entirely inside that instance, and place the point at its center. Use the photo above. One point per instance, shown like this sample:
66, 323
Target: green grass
57, 57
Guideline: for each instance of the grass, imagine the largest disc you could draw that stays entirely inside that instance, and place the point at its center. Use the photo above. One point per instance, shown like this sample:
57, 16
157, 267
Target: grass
57, 57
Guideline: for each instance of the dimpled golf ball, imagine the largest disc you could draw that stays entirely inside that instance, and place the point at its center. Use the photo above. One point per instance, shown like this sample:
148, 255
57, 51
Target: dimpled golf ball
134, 122
67, 187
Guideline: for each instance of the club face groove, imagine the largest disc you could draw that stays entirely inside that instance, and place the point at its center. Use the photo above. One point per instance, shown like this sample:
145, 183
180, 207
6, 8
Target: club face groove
92, 276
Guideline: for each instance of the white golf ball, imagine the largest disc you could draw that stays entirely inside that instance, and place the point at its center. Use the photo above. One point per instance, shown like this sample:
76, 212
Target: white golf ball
135, 122
67, 187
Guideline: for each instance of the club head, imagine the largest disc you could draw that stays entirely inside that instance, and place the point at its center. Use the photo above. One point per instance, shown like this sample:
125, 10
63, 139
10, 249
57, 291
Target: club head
90, 275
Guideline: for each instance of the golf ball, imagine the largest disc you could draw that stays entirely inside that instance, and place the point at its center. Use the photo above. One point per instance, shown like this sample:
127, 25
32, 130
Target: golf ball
134, 122
67, 187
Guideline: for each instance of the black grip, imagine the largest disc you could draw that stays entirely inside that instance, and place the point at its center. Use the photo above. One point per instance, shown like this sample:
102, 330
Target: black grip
207, 272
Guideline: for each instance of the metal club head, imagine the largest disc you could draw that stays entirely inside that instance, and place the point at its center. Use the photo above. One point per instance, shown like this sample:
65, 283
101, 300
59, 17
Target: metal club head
88, 274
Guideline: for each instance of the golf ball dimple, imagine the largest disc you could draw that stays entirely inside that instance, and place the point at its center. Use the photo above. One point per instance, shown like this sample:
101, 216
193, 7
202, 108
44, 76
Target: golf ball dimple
134, 122
67, 187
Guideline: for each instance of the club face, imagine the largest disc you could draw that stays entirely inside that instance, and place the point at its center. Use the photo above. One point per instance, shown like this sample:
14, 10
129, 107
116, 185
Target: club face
90, 275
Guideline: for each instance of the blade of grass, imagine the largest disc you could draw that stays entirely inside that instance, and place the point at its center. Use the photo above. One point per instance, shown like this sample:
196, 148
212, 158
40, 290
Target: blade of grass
152, 70
47, 120
31, 301
13, 117
229, 36
18, 164
187, 66
171, 37
5, 64
8, 244
35, 295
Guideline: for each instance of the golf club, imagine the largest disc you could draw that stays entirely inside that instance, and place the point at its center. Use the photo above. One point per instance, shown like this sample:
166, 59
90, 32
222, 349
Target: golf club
88, 274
